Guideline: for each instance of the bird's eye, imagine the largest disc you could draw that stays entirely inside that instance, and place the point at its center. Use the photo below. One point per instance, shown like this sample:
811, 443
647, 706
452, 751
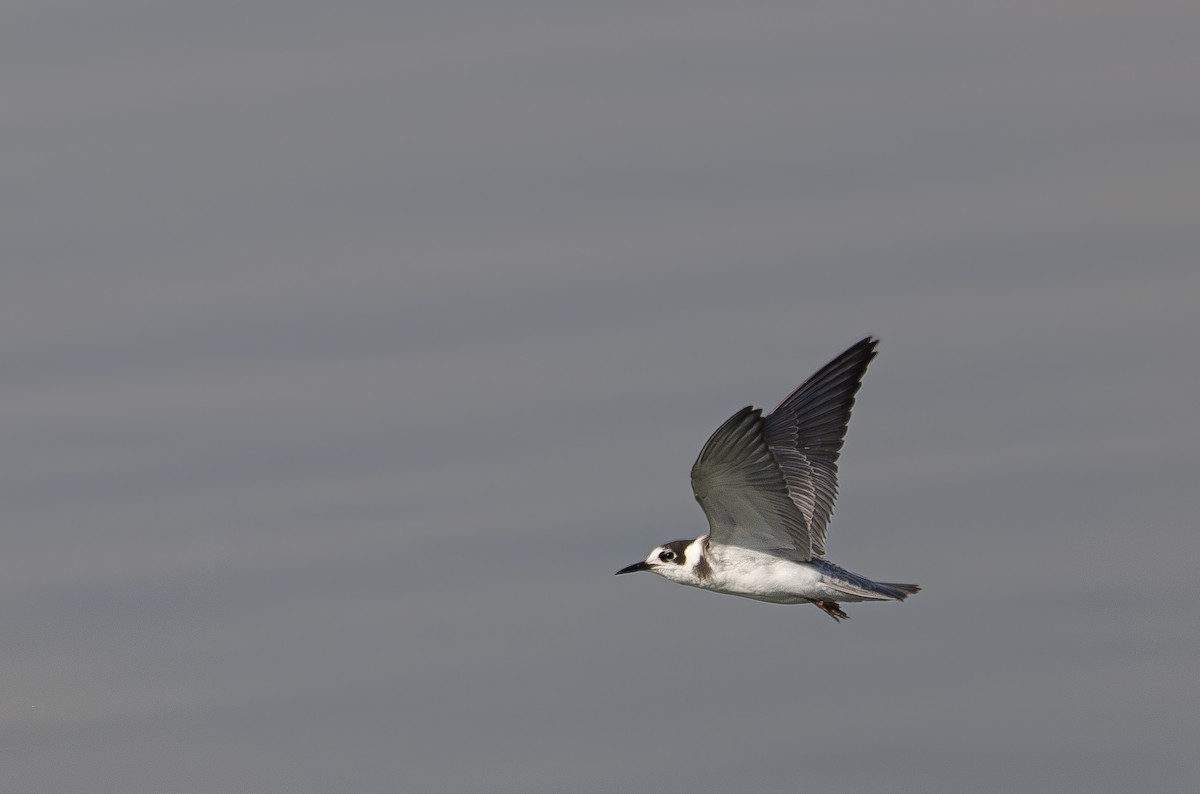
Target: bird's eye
667, 556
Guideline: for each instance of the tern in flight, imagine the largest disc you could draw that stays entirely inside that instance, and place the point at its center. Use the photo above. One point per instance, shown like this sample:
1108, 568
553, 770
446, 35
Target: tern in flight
767, 486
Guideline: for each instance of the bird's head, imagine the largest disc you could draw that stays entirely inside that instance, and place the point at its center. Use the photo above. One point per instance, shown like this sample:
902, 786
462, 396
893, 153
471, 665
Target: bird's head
670, 560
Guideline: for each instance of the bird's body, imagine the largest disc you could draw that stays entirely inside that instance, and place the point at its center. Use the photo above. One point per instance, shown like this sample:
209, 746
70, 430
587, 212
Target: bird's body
767, 486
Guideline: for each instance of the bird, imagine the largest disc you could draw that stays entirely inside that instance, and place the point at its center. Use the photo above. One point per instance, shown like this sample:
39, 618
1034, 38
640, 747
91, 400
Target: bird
767, 486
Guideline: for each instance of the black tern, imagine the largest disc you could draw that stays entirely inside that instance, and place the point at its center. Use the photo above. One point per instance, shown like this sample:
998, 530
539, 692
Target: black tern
767, 486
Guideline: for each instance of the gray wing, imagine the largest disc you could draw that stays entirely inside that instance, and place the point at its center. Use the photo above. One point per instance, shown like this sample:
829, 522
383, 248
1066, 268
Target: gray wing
806, 433
770, 484
742, 490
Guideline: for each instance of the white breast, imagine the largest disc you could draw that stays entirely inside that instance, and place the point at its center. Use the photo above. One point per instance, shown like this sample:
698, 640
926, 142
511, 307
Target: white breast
754, 574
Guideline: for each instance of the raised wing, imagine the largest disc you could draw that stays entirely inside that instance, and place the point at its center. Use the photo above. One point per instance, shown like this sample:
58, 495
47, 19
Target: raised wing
742, 491
806, 433
770, 484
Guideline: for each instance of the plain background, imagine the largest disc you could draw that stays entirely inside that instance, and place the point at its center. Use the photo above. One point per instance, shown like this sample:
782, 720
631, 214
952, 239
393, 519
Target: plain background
347, 349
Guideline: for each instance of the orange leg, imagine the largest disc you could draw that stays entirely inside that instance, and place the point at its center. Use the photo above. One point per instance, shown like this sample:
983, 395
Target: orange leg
832, 609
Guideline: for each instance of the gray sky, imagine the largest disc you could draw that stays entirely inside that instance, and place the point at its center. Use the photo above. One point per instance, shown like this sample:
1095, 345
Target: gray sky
347, 349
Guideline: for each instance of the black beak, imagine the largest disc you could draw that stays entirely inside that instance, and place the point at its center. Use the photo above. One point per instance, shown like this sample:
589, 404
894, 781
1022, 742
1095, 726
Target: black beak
637, 566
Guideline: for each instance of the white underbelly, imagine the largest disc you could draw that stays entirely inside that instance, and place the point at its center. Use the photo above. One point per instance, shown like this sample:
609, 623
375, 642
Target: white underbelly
766, 578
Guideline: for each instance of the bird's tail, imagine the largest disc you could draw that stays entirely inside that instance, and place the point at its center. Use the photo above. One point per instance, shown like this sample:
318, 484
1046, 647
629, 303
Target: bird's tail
900, 591
859, 588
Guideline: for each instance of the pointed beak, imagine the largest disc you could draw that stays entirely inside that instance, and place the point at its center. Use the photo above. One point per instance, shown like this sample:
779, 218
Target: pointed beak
637, 566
